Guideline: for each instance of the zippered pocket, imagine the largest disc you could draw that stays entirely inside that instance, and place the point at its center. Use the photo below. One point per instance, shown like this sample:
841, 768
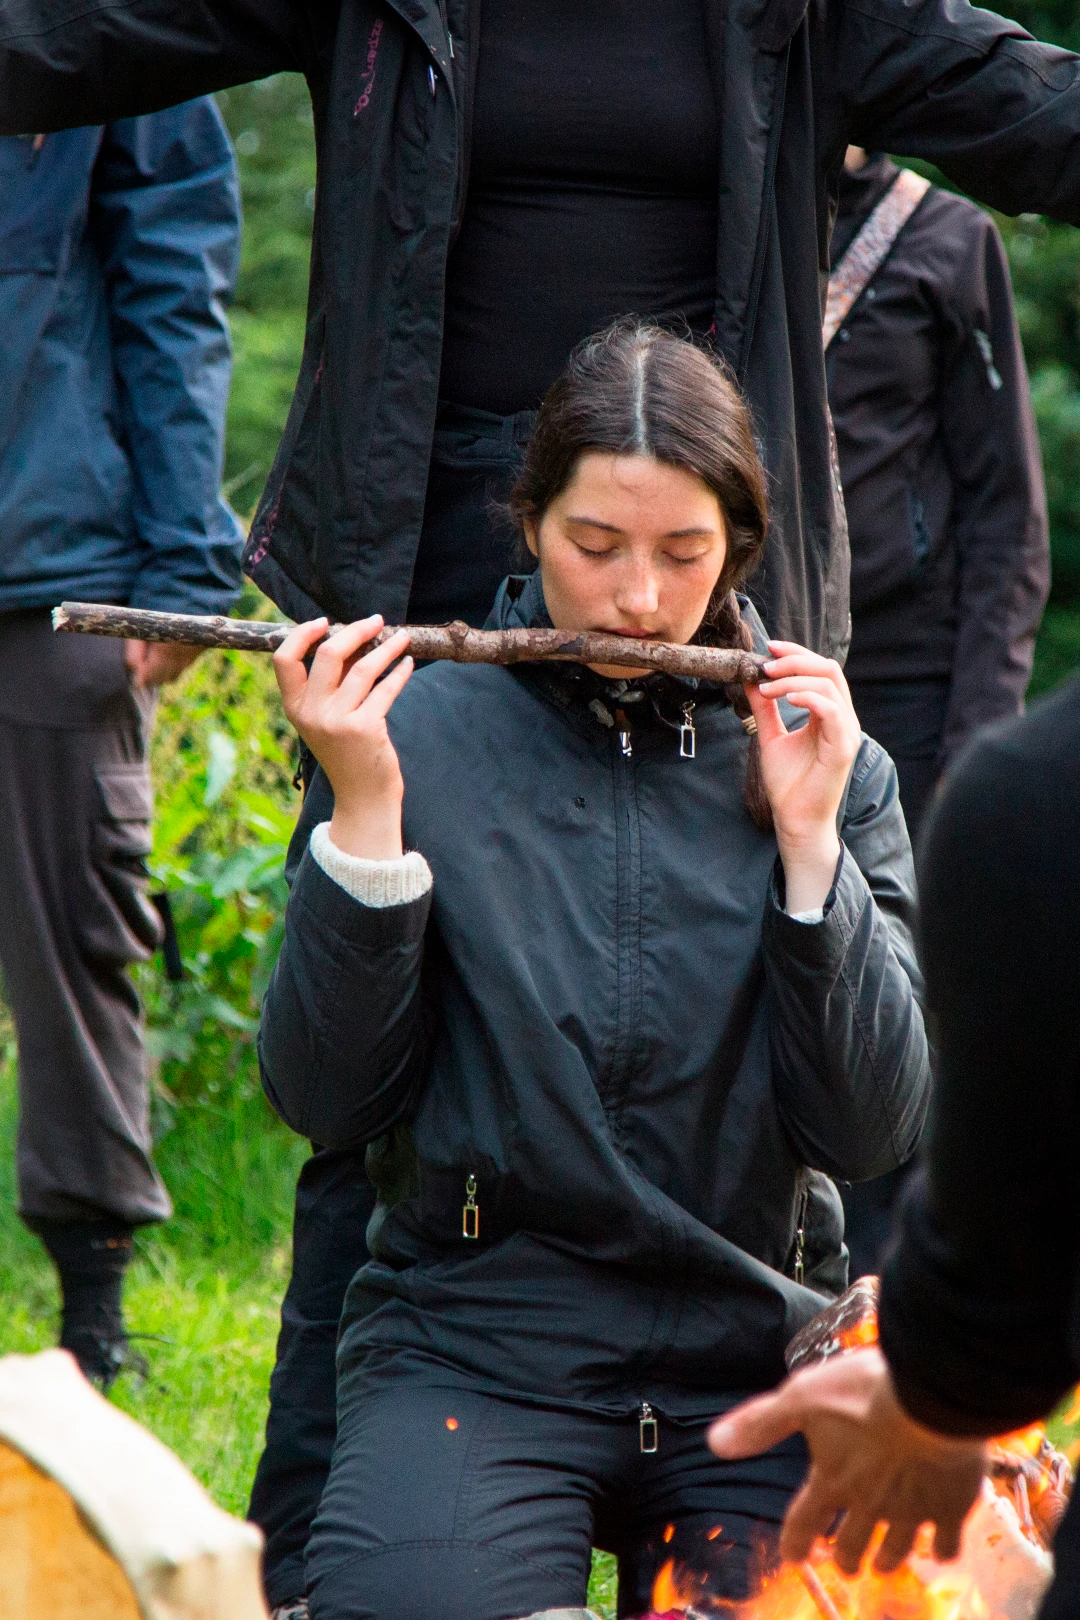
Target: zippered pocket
799, 1261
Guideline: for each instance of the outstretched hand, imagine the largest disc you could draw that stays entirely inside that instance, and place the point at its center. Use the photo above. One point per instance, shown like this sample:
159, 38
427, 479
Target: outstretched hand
805, 771
340, 711
870, 1462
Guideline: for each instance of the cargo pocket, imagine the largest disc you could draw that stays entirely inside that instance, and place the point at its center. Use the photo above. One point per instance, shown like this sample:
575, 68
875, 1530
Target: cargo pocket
121, 845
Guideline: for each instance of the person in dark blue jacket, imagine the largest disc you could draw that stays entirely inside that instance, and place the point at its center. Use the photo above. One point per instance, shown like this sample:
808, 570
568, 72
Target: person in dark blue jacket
118, 247
610, 971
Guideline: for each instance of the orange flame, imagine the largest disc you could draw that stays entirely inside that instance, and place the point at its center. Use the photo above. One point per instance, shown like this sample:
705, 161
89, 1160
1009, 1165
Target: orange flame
675, 1589
860, 1334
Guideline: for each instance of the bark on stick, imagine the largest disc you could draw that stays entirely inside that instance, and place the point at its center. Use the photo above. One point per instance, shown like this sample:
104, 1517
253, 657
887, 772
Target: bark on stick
455, 641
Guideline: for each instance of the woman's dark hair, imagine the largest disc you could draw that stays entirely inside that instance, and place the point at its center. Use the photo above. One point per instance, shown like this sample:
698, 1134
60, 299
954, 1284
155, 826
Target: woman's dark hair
636, 389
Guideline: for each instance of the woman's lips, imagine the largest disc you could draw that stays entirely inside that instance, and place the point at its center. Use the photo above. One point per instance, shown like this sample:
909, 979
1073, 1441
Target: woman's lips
629, 635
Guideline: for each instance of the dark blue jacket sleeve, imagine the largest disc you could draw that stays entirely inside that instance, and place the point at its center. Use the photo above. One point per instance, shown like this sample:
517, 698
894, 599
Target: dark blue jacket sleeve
341, 1045
851, 1064
166, 221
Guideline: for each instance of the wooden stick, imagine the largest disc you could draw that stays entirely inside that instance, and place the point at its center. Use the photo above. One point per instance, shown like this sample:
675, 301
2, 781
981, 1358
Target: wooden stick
816, 1588
452, 641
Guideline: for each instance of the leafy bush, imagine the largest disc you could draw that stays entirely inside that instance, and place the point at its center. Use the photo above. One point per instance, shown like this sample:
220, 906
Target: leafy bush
223, 761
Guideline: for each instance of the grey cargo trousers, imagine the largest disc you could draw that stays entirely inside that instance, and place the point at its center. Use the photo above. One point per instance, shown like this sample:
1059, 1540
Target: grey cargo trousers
74, 833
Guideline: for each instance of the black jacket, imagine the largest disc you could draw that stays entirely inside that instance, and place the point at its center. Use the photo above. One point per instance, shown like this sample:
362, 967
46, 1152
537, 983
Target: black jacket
980, 1305
601, 1012
950, 560
341, 516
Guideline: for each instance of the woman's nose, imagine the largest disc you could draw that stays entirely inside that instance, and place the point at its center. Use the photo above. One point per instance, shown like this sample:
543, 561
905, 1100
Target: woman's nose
639, 593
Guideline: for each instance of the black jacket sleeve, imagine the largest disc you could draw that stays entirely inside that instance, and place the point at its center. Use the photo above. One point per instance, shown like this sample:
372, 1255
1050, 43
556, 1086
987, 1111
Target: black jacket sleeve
999, 516
850, 1059
342, 1069
963, 88
980, 1292
63, 65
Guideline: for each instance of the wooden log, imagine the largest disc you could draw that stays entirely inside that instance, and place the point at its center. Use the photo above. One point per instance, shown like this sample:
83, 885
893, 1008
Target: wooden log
455, 641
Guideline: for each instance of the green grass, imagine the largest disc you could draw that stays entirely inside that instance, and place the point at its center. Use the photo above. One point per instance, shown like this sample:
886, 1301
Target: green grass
207, 1286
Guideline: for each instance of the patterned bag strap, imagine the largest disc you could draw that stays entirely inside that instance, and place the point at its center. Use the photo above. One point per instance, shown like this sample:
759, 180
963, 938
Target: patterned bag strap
870, 247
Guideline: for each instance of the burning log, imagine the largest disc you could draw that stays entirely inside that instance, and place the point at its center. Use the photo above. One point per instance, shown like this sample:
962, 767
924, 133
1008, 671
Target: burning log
847, 1324
455, 641
1004, 1565
1025, 1467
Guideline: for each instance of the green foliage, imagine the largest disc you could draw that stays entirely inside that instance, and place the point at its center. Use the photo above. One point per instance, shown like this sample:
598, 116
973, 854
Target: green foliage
271, 125
223, 759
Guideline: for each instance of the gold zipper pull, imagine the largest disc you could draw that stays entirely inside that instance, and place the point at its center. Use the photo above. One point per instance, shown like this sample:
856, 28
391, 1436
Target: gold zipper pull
687, 734
470, 1214
648, 1430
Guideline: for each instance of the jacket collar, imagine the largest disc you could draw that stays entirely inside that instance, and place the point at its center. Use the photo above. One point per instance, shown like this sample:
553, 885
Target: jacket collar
858, 196
656, 699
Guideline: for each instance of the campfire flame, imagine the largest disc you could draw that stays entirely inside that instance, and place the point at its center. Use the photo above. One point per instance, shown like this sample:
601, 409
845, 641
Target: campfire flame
1001, 1574
1004, 1565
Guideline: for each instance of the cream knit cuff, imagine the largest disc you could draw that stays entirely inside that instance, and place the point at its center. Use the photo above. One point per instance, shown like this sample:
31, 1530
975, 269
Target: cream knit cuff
373, 883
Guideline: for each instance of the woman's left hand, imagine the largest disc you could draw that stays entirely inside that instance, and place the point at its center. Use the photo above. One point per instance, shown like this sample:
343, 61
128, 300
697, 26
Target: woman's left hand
805, 771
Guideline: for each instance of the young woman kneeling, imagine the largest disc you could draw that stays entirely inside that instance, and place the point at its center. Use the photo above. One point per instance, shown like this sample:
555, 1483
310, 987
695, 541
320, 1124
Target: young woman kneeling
643, 983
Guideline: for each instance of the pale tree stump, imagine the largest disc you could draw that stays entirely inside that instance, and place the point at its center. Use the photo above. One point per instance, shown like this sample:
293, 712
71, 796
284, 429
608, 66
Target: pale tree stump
99, 1521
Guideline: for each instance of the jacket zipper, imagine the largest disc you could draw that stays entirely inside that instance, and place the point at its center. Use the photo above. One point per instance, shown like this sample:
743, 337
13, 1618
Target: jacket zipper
648, 1430
800, 1236
687, 734
626, 746
627, 918
470, 1213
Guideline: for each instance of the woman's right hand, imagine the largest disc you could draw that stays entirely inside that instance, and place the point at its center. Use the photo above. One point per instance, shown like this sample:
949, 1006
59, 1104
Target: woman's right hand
340, 711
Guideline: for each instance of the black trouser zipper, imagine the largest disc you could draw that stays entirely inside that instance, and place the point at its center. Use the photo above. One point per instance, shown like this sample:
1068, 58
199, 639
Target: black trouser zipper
648, 1430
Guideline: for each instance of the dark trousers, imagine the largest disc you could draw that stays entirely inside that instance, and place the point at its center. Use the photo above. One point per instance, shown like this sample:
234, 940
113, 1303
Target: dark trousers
467, 548
75, 809
908, 719
469, 1507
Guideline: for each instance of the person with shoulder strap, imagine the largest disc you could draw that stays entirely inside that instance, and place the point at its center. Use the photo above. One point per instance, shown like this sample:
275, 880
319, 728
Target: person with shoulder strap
943, 483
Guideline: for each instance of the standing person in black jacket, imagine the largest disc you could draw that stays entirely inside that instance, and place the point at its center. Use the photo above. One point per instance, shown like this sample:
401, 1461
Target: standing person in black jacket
980, 1291
943, 485
492, 186
939, 457
625, 1005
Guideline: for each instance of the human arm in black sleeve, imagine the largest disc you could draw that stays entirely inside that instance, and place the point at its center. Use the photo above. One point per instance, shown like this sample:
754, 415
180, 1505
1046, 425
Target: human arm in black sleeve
979, 1292
999, 519
63, 65
341, 1045
998, 111
850, 1055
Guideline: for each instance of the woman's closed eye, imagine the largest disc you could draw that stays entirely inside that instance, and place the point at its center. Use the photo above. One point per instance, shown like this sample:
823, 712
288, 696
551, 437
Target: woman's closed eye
683, 558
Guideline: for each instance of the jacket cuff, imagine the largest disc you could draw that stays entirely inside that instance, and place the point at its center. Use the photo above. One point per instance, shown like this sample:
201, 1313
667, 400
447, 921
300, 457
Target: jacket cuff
812, 938
380, 884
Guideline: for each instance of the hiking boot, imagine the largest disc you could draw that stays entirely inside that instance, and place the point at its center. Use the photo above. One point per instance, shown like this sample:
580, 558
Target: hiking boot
91, 1258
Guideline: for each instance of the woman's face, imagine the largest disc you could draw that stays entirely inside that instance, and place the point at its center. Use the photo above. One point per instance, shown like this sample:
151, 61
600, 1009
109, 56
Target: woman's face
632, 547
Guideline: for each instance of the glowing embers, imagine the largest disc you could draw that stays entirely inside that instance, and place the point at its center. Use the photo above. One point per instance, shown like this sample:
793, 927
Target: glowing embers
1001, 1574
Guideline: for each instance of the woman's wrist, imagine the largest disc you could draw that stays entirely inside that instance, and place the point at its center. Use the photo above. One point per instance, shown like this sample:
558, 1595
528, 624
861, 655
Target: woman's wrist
370, 831
809, 864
